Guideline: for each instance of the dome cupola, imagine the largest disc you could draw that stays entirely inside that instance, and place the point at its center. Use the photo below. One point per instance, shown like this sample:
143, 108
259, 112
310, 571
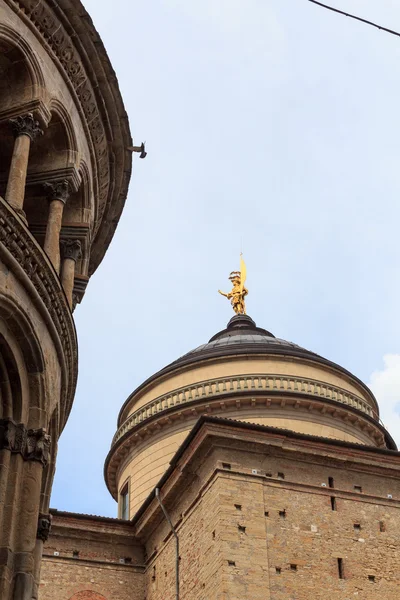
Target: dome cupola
245, 373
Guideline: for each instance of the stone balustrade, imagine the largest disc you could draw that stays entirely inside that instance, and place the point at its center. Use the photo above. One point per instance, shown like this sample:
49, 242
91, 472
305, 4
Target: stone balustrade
234, 386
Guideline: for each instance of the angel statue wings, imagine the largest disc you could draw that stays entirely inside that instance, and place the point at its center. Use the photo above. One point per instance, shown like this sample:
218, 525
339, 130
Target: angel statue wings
238, 291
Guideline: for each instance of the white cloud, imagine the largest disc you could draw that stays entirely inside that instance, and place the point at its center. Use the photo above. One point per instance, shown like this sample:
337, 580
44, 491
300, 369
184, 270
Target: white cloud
385, 384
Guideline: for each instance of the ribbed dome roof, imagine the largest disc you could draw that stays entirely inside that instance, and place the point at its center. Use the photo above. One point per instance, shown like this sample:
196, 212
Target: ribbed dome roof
241, 336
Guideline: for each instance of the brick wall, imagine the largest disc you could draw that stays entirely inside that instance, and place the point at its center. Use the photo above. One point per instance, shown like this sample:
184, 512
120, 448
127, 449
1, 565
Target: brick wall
87, 556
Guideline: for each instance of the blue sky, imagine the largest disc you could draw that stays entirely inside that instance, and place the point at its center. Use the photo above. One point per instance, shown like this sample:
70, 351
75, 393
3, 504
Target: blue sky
273, 122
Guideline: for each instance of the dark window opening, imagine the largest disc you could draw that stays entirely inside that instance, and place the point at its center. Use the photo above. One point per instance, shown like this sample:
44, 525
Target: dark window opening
266, 514
282, 514
213, 535
371, 578
281, 475
75, 553
238, 506
333, 503
358, 488
128, 560
227, 466
124, 496
242, 528
278, 570
340, 568
153, 577
331, 482
231, 563
268, 474
293, 567
357, 527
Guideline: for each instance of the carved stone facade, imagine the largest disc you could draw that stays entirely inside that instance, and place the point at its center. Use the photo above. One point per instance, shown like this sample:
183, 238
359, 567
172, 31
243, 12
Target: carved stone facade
60, 180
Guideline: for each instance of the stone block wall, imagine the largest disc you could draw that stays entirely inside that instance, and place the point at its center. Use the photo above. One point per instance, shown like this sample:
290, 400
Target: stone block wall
88, 556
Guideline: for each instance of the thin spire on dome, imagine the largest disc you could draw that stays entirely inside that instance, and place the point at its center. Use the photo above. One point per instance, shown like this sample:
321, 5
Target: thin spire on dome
238, 291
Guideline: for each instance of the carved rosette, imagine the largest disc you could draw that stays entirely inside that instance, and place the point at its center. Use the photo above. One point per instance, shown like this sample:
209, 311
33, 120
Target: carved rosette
57, 190
44, 527
26, 125
32, 444
71, 249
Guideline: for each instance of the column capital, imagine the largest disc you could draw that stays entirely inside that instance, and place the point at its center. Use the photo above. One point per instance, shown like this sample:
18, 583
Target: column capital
71, 249
57, 190
26, 125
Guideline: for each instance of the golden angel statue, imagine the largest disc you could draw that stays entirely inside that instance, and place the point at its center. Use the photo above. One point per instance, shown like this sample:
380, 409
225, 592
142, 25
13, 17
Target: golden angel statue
238, 291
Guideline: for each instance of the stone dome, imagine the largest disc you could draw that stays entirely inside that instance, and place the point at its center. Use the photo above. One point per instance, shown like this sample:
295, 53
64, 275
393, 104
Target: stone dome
244, 373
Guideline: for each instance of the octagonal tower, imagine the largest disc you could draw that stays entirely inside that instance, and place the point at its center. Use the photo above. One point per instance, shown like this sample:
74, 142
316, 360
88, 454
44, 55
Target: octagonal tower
245, 373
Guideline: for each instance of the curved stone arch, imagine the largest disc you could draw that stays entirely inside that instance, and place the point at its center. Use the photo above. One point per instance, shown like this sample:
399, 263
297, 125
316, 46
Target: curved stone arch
14, 38
87, 595
22, 358
57, 108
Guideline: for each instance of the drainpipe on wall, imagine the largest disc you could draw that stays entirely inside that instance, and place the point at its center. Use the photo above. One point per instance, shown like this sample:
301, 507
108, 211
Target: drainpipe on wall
166, 515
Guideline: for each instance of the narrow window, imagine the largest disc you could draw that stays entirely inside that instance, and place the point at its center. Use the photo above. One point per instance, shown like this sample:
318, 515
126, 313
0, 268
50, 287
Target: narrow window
340, 568
124, 502
331, 482
266, 514
268, 474
278, 570
231, 563
382, 526
357, 527
293, 567
358, 488
282, 514
281, 475
242, 528
227, 466
333, 503
371, 578
238, 506
75, 553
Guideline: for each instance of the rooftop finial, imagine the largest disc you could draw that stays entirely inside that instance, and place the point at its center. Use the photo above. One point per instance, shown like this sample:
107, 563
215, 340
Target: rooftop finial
238, 292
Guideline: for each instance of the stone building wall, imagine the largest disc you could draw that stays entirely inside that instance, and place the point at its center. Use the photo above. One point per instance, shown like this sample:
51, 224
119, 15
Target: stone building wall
88, 556
276, 533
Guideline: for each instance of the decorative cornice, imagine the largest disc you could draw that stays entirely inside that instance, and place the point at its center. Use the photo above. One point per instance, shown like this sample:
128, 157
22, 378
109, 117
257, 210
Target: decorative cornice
71, 249
44, 527
24, 249
26, 125
32, 444
234, 386
57, 190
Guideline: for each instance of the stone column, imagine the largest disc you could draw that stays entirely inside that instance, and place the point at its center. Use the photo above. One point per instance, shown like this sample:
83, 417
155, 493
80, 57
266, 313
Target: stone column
25, 129
57, 193
70, 251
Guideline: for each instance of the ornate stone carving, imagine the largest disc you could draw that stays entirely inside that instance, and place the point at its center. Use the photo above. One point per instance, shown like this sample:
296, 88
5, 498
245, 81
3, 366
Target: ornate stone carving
44, 527
59, 40
12, 436
26, 125
71, 249
31, 258
37, 446
57, 190
32, 444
